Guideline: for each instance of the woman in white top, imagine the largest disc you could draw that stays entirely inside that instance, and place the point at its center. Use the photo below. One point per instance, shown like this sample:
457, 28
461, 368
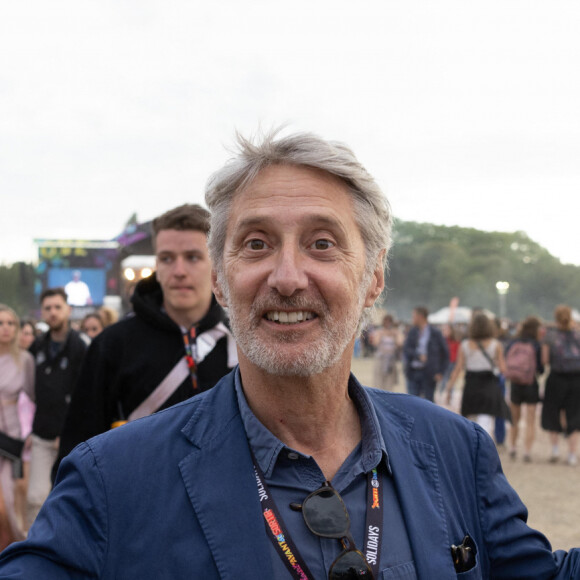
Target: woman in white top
481, 357
16, 375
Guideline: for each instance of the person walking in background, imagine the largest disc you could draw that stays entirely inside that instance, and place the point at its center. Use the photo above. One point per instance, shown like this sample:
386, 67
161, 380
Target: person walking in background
387, 341
26, 410
481, 357
561, 351
523, 361
453, 337
175, 345
108, 315
425, 356
16, 376
27, 334
92, 325
499, 428
58, 355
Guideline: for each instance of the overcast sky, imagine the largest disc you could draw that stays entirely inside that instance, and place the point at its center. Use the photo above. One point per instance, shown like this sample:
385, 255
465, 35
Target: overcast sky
467, 113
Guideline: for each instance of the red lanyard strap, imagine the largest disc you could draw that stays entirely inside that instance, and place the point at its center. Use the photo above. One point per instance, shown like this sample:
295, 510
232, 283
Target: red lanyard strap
190, 354
283, 543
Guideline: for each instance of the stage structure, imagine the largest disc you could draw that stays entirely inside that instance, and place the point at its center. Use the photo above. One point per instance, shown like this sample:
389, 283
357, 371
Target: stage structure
94, 272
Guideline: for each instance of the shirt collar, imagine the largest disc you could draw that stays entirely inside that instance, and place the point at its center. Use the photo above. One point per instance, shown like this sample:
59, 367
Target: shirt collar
266, 446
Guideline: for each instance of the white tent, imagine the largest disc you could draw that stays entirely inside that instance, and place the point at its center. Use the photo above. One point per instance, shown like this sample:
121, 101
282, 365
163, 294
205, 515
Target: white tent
461, 315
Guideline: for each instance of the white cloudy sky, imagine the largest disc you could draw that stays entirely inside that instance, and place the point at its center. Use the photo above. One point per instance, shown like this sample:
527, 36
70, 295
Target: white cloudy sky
466, 112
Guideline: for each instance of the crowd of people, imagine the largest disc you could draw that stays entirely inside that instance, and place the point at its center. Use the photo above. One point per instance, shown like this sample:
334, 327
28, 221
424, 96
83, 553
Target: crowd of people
257, 454
62, 386
501, 369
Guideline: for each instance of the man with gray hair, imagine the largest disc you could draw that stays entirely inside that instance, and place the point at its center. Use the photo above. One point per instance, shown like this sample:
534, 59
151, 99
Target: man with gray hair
289, 468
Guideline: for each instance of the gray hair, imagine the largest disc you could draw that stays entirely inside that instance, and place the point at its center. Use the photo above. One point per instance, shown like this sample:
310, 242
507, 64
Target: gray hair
372, 211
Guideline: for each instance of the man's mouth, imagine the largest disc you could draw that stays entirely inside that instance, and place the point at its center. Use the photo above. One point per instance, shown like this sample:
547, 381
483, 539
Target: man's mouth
283, 317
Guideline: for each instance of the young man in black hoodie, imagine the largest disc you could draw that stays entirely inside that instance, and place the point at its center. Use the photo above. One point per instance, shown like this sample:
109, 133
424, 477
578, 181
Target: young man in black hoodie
175, 344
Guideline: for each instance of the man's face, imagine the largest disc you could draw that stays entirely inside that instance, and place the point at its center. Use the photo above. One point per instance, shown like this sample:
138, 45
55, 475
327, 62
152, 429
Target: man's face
55, 312
418, 319
293, 272
184, 272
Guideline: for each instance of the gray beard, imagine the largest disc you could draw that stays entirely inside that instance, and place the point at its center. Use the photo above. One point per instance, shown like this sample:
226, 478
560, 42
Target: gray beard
337, 334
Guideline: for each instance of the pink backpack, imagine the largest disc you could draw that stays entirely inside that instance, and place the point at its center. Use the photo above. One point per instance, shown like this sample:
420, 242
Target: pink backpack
520, 363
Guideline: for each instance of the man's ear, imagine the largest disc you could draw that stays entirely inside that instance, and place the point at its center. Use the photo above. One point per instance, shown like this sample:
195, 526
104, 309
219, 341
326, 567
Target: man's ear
377, 284
217, 290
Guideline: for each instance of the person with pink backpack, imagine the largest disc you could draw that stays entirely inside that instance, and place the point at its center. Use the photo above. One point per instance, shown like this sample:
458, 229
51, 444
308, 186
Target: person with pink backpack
523, 358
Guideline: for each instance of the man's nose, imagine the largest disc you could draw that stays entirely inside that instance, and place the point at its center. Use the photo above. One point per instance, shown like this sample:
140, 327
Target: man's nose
179, 267
288, 275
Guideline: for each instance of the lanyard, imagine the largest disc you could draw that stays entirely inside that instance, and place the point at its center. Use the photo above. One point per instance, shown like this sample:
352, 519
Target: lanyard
191, 354
285, 547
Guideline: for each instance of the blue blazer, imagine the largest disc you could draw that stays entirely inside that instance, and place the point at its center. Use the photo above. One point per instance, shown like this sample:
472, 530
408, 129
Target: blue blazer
173, 496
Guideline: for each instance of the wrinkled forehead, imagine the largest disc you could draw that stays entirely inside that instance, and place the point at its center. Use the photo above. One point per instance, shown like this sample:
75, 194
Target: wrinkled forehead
283, 190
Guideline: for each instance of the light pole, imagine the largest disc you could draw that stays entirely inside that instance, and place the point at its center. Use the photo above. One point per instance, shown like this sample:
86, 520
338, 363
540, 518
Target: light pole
502, 290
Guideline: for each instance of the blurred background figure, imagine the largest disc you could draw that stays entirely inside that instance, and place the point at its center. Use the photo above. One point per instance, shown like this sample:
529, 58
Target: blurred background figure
92, 325
425, 355
108, 315
16, 375
502, 334
58, 356
481, 357
523, 365
453, 337
387, 341
28, 334
561, 350
77, 291
26, 409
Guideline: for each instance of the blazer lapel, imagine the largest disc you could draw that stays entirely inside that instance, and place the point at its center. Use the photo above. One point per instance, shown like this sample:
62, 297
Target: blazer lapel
219, 478
416, 477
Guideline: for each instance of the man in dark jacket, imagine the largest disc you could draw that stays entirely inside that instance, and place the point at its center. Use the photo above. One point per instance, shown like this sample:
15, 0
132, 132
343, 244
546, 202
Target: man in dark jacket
425, 355
58, 355
174, 345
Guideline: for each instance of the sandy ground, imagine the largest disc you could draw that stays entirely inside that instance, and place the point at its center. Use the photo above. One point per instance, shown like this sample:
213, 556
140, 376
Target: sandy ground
550, 491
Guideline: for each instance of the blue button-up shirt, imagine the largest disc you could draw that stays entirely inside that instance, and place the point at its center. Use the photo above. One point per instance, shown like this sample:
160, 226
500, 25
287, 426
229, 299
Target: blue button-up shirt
291, 476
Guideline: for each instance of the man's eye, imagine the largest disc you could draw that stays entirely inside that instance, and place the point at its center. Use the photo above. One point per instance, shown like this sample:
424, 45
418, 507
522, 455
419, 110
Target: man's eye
322, 245
256, 244
193, 258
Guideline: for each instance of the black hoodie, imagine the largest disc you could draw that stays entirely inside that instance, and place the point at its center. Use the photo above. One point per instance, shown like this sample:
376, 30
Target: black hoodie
127, 361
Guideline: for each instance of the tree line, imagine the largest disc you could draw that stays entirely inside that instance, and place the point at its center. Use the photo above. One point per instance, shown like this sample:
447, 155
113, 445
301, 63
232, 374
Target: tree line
428, 265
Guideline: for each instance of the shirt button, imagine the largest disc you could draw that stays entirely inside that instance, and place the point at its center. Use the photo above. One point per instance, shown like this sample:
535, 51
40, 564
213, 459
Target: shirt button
293, 455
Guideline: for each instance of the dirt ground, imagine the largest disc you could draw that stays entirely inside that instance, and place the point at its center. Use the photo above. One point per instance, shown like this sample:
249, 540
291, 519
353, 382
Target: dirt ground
550, 491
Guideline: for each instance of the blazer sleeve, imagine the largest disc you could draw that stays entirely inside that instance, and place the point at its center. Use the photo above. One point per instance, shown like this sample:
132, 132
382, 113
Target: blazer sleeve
514, 549
68, 539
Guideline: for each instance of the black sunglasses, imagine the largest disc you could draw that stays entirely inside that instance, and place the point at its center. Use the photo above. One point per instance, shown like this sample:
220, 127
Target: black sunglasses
326, 516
